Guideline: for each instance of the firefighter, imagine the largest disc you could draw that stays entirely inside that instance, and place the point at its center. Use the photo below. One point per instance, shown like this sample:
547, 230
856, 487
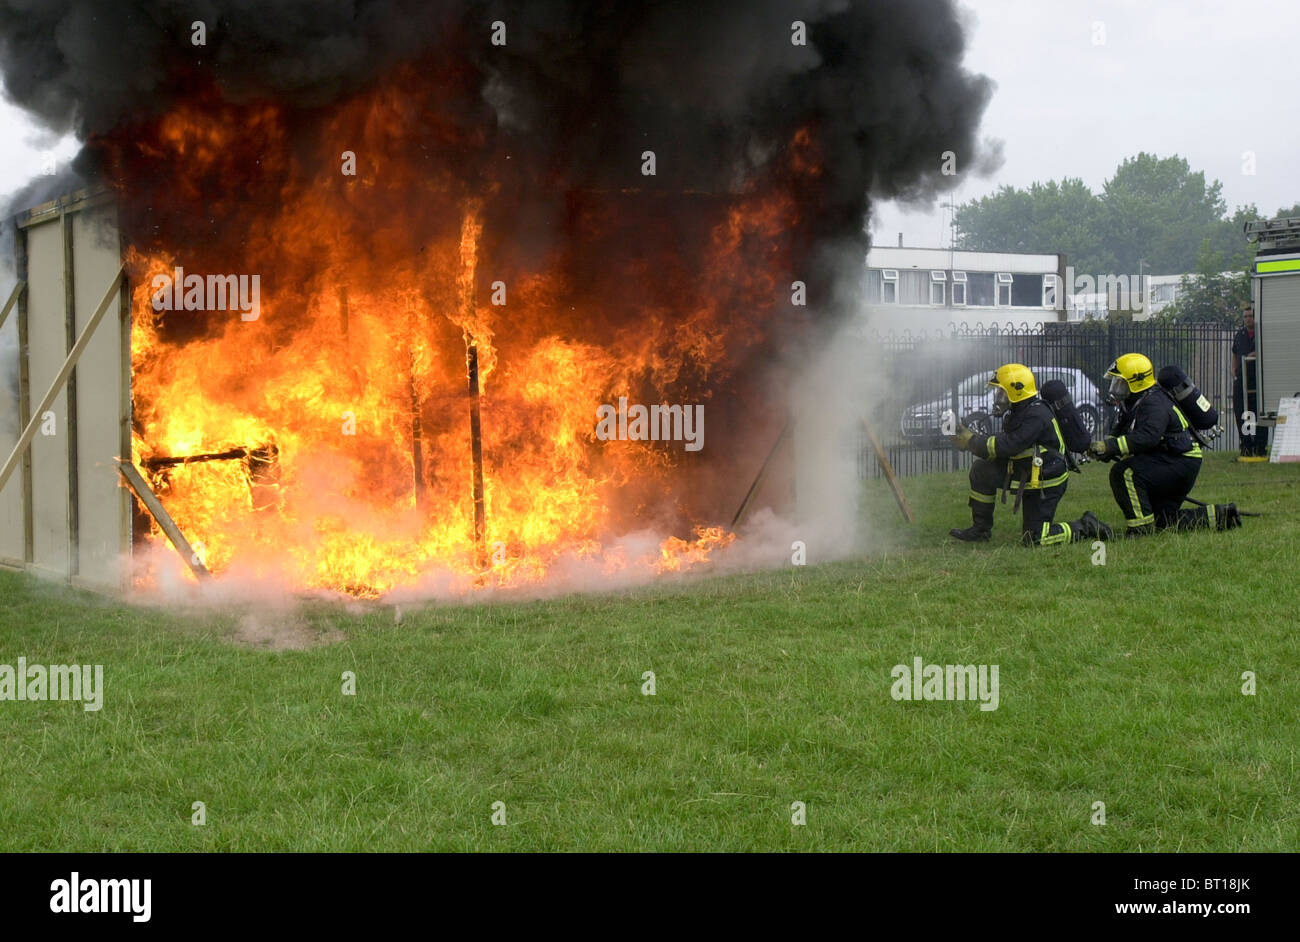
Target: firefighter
1029, 450
1159, 457
1245, 386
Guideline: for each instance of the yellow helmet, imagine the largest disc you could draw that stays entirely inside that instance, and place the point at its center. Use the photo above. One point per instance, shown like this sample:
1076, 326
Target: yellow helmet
1131, 373
1014, 383
1016, 380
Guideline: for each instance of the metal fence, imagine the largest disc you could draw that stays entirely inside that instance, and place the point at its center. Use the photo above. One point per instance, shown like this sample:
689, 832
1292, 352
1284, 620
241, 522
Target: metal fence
928, 374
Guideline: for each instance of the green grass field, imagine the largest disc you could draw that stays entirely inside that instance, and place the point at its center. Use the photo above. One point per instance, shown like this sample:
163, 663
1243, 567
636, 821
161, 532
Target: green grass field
1119, 683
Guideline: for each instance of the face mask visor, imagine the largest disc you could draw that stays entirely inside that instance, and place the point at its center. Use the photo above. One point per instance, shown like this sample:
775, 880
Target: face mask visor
1119, 389
1000, 401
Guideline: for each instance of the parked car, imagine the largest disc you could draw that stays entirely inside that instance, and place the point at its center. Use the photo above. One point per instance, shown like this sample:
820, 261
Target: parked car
922, 421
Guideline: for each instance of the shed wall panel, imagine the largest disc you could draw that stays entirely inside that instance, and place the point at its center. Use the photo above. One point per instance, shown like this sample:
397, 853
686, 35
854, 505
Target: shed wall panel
104, 511
47, 349
11, 498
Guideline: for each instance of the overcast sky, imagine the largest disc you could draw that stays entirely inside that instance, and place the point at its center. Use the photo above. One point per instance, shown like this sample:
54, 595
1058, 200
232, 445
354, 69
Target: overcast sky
1172, 77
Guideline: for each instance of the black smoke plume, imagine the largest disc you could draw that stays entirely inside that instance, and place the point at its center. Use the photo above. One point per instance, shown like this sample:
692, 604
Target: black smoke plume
579, 90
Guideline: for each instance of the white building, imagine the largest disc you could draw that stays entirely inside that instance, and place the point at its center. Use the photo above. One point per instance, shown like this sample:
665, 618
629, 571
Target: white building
1159, 291
1144, 297
928, 289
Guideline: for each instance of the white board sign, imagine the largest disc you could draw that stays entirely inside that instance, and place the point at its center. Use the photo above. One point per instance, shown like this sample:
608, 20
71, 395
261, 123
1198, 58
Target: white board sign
1286, 434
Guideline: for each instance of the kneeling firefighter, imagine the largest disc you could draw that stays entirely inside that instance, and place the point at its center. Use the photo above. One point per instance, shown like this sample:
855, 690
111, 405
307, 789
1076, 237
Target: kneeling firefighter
1029, 450
1159, 455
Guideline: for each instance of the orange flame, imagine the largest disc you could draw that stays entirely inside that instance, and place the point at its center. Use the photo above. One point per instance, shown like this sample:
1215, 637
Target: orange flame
354, 320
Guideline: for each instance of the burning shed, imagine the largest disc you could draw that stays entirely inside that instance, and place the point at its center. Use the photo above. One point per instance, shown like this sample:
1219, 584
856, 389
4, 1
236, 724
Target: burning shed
387, 273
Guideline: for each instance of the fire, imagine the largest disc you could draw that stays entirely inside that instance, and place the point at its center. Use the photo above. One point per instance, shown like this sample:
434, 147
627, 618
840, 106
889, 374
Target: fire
347, 400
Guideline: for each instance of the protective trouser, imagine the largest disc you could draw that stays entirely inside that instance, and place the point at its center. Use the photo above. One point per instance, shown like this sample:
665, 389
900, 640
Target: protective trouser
1150, 489
1256, 444
1038, 506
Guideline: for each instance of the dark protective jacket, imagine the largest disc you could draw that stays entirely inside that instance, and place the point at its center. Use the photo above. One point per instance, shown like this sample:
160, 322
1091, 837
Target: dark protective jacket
1028, 427
1243, 344
1152, 423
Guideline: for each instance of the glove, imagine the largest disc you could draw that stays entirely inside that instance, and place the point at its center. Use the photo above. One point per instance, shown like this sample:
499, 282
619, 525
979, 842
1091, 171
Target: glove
1099, 449
962, 438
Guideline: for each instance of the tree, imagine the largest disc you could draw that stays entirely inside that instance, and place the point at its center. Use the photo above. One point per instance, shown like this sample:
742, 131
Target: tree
1153, 210
1045, 218
1159, 210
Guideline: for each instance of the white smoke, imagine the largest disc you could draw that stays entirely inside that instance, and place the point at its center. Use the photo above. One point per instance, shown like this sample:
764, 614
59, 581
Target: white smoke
830, 406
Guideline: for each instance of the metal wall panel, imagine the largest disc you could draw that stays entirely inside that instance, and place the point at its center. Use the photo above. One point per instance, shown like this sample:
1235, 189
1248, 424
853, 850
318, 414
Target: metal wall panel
1279, 338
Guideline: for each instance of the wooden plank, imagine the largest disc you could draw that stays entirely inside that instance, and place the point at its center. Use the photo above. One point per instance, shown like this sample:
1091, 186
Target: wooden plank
141, 489
85, 198
13, 299
894, 484
25, 400
59, 380
13, 508
70, 328
126, 509
476, 457
758, 478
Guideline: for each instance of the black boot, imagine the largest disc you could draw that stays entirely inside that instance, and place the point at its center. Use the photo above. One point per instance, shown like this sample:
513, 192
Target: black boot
981, 528
1091, 527
1145, 530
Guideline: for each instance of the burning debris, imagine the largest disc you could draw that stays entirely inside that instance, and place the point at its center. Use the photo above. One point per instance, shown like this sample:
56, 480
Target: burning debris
508, 213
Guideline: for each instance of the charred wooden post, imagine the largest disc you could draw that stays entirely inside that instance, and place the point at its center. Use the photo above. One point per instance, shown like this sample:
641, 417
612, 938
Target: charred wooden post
158, 462
417, 443
470, 231
476, 452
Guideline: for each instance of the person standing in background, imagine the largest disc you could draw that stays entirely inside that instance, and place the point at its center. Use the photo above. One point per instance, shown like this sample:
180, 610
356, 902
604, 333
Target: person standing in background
1245, 383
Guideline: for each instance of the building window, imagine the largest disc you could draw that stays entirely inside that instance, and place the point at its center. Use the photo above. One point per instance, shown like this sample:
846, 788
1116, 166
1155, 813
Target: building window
938, 287
889, 286
1004, 289
1049, 291
982, 289
959, 289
